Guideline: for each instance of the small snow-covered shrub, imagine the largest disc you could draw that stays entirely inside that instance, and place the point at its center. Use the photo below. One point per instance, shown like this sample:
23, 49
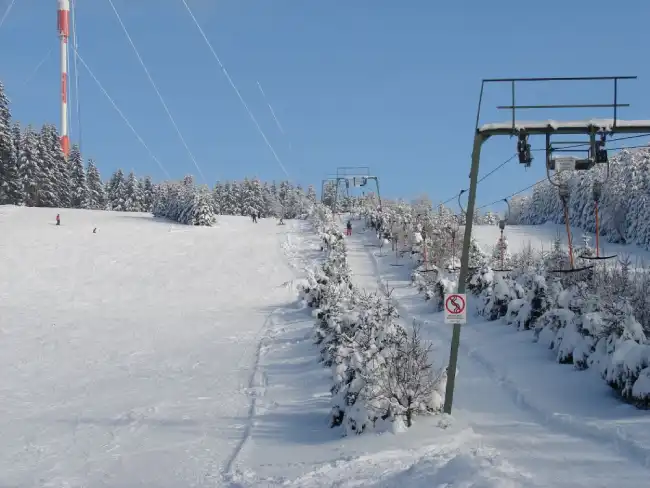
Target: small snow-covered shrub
585, 318
497, 297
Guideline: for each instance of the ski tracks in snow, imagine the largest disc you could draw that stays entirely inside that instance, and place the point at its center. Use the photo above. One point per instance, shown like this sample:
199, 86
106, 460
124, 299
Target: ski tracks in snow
256, 389
561, 424
274, 325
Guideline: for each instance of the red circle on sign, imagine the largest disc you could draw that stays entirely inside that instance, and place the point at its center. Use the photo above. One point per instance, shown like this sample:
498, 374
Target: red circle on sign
454, 308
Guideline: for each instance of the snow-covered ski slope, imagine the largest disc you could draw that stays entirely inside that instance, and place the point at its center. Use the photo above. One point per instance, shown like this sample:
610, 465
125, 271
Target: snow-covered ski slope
127, 356
541, 237
157, 355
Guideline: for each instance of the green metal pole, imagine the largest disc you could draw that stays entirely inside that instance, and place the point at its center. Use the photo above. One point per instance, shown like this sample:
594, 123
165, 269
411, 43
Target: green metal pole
464, 264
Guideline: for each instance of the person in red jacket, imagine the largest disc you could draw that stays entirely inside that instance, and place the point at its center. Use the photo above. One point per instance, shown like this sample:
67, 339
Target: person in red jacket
58, 219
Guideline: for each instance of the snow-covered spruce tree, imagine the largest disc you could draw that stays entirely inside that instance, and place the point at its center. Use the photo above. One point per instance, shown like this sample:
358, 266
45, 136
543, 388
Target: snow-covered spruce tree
30, 165
60, 169
329, 194
147, 189
8, 163
501, 257
311, 194
199, 208
48, 175
407, 383
116, 191
79, 187
13, 187
134, 197
229, 205
96, 191
217, 198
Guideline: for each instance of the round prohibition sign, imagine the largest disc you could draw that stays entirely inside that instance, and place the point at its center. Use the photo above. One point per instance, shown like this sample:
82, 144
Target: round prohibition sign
455, 304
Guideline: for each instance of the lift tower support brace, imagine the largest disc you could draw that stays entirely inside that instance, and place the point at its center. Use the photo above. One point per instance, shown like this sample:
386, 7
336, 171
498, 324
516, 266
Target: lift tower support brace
515, 128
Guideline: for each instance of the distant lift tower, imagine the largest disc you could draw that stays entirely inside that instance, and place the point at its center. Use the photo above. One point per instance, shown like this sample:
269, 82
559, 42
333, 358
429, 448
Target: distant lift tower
357, 176
592, 128
63, 25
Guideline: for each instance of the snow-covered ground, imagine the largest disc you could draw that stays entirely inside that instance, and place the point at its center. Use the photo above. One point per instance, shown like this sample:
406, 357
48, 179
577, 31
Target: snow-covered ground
127, 356
553, 425
157, 355
541, 237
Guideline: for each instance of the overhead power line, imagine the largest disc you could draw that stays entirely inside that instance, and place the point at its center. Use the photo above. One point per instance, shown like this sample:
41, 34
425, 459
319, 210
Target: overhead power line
38, 67
117, 109
6, 12
236, 90
160, 97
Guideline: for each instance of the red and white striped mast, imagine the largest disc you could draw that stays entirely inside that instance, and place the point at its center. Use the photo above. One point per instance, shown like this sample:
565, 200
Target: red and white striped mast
63, 25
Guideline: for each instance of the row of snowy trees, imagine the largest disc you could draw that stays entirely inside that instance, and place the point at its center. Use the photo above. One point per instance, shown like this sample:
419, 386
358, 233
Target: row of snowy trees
252, 196
34, 172
624, 205
382, 377
588, 320
598, 318
191, 204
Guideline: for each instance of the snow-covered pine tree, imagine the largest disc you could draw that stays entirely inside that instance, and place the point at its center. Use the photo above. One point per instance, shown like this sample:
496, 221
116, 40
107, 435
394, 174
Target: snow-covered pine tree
116, 190
217, 197
228, 203
16, 137
96, 192
133, 194
256, 196
14, 187
146, 186
7, 157
47, 194
30, 165
311, 194
60, 168
329, 194
79, 186
200, 207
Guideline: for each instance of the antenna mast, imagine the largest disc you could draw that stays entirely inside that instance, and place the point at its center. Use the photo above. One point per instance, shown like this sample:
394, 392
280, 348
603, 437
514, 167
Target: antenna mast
63, 25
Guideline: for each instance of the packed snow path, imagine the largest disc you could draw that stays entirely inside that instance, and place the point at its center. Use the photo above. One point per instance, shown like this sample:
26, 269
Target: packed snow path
555, 426
127, 355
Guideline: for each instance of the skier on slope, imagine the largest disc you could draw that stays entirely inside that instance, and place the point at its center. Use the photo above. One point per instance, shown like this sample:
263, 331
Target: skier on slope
58, 219
348, 228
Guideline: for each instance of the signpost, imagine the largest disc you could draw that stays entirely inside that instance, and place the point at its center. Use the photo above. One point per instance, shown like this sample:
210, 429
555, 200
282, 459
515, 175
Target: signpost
455, 308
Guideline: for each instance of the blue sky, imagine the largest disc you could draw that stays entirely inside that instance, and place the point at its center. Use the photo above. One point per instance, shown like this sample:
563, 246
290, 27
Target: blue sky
388, 84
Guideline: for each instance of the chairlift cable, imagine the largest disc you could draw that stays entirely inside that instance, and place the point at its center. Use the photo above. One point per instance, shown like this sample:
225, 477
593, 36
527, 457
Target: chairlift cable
482, 178
155, 88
